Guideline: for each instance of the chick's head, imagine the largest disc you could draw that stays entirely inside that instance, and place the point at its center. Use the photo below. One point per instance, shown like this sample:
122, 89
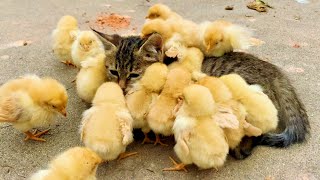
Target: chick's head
235, 82
218, 89
213, 37
109, 92
88, 40
177, 79
158, 11
67, 22
198, 100
52, 96
154, 77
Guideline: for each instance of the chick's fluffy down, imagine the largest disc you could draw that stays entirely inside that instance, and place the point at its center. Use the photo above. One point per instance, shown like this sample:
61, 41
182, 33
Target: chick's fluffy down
90, 77
78, 163
107, 126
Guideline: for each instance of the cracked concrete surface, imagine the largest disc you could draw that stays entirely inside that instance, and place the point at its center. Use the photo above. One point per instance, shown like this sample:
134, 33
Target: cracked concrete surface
282, 28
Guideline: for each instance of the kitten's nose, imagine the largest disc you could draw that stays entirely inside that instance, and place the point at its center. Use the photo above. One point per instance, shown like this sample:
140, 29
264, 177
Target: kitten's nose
122, 83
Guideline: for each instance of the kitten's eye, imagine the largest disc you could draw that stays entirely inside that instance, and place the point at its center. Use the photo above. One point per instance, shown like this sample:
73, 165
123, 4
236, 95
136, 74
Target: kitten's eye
133, 75
114, 72
148, 55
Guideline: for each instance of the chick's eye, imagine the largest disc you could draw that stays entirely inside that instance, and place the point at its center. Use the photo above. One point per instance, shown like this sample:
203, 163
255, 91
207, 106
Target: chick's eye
53, 106
133, 75
114, 72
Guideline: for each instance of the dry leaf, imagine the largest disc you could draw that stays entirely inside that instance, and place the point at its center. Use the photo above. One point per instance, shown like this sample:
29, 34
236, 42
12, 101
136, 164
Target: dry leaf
293, 69
228, 8
269, 178
258, 5
256, 42
296, 45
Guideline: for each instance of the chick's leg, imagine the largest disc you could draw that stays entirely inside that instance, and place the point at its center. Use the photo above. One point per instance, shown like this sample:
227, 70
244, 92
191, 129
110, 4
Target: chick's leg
177, 167
158, 141
68, 63
146, 139
35, 136
125, 155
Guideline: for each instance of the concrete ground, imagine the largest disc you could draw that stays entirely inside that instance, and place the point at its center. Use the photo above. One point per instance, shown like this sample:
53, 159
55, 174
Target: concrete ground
291, 35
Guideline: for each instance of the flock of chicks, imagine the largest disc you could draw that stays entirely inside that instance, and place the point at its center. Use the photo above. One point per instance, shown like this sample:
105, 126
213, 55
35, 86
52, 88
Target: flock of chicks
207, 115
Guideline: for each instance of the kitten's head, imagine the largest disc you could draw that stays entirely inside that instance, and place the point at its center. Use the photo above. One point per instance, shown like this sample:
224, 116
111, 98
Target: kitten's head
128, 57
88, 40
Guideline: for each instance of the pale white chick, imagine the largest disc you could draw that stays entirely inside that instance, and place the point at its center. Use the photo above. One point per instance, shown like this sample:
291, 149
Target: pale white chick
77, 163
199, 139
261, 111
92, 74
145, 91
106, 127
86, 45
63, 37
161, 114
31, 102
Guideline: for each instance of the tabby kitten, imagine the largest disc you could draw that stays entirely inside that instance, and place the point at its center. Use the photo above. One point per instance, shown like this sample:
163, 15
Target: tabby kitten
128, 57
293, 119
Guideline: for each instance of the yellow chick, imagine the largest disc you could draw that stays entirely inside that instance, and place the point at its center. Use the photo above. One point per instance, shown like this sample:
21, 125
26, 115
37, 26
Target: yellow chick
220, 37
161, 114
228, 111
77, 163
63, 37
140, 99
86, 45
261, 111
31, 102
92, 74
199, 139
161, 11
191, 59
106, 127
174, 32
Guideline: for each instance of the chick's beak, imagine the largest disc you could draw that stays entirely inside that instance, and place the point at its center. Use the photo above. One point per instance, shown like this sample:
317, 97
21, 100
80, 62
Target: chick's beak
208, 47
64, 112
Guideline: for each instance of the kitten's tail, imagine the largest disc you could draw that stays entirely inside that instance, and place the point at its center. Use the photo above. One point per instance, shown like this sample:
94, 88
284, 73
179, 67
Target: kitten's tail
293, 115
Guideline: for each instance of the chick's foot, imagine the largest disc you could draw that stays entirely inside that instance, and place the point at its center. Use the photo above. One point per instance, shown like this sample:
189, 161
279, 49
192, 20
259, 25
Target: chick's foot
36, 135
158, 141
125, 155
146, 139
177, 166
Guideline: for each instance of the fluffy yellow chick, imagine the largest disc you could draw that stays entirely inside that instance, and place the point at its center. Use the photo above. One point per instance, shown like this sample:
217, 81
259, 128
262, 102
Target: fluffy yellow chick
63, 37
228, 111
191, 59
86, 45
106, 127
161, 11
161, 114
31, 102
140, 99
92, 74
77, 163
220, 37
199, 139
261, 111
174, 32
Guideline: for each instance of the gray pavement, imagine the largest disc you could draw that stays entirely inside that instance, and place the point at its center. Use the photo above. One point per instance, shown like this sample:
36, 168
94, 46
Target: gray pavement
289, 23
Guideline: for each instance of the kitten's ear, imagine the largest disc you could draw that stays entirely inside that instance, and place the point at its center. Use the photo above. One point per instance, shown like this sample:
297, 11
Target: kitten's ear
152, 49
110, 42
